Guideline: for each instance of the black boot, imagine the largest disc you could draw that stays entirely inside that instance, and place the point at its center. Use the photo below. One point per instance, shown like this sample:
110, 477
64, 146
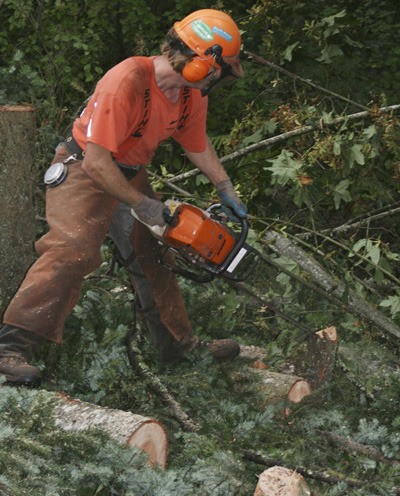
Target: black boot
16, 350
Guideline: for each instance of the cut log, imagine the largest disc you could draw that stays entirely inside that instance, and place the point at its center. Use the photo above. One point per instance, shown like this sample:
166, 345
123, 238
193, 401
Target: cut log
144, 433
276, 387
141, 432
281, 481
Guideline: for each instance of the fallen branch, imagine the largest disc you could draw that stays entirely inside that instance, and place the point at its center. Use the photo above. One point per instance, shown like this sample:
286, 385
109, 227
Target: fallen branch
127, 428
363, 449
355, 304
156, 385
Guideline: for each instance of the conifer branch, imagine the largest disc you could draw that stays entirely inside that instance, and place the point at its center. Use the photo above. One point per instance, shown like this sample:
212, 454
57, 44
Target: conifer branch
354, 446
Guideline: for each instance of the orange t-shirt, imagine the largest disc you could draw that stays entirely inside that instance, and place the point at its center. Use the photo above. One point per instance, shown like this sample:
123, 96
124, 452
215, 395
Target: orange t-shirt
129, 115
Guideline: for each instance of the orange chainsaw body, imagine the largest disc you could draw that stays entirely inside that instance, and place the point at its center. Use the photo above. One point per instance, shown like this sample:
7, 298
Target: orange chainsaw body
195, 231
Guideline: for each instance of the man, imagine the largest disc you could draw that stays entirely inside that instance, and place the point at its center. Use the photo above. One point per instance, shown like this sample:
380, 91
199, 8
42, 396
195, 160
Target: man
98, 175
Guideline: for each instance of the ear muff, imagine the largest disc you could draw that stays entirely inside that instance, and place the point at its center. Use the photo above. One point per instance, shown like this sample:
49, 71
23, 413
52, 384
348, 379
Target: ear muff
196, 70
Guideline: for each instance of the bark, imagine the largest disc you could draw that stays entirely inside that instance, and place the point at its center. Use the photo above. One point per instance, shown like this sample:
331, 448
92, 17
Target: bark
330, 284
281, 481
17, 180
369, 367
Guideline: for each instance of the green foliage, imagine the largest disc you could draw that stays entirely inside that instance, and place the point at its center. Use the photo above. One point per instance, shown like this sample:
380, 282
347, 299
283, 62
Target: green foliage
52, 54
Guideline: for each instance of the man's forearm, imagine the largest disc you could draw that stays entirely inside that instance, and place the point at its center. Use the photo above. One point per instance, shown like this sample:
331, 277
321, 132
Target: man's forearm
99, 166
209, 164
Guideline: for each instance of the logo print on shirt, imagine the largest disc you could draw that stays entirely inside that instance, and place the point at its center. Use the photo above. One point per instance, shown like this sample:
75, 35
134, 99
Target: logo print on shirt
138, 133
185, 109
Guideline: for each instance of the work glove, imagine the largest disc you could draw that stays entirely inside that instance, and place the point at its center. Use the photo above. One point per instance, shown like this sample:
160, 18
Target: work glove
152, 212
233, 206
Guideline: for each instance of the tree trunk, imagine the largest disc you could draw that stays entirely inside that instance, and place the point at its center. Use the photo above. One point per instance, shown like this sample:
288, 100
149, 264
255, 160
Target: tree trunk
17, 180
281, 481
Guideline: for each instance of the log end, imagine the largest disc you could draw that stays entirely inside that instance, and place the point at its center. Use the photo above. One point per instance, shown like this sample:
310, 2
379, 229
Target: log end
151, 437
281, 481
299, 391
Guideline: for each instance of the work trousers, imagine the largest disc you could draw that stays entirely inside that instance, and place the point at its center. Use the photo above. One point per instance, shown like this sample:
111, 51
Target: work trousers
80, 215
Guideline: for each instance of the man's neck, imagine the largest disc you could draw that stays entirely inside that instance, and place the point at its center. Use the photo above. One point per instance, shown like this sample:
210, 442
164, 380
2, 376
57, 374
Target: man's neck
168, 80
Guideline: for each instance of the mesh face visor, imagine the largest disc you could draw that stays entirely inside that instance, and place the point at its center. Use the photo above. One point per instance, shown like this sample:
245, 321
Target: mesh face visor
230, 70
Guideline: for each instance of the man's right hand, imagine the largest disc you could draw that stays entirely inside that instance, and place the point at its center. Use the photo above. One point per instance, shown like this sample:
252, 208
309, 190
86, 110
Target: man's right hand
151, 212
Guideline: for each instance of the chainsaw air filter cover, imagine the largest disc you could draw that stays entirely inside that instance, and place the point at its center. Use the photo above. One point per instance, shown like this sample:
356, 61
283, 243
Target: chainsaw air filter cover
195, 231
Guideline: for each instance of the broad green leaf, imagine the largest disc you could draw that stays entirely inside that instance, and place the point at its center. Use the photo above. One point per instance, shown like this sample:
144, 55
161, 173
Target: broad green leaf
356, 155
287, 54
284, 168
374, 253
330, 20
341, 193
370, 131
337, 147
330, 52
393, 303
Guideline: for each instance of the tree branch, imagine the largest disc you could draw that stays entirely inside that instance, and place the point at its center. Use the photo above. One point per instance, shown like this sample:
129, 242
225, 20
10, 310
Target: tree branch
285, 136
280, 69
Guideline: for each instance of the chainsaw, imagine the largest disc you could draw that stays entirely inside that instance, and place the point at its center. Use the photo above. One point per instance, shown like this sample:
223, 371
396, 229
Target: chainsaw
202, 244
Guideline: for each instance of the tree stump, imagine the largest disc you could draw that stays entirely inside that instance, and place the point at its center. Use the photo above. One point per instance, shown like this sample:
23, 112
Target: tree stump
141, 432
17, 182
281, 481
317, 361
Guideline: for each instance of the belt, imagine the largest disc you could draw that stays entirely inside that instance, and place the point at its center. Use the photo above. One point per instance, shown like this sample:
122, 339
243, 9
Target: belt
70, 143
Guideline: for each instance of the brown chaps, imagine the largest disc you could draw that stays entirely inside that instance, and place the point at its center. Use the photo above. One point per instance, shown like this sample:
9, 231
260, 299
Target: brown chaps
80, 215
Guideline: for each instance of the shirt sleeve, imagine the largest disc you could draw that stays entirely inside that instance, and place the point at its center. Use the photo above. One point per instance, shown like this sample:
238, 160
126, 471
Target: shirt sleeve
193, 135
107, 123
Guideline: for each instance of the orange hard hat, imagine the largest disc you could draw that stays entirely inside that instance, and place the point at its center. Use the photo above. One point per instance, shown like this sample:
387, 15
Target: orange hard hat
206, 28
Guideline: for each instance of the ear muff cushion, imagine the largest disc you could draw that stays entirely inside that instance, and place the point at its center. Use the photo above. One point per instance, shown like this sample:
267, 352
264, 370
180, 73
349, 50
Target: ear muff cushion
195, 70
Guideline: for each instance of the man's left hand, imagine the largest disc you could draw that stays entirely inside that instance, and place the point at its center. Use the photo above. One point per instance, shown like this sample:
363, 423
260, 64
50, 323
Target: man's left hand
229, 198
